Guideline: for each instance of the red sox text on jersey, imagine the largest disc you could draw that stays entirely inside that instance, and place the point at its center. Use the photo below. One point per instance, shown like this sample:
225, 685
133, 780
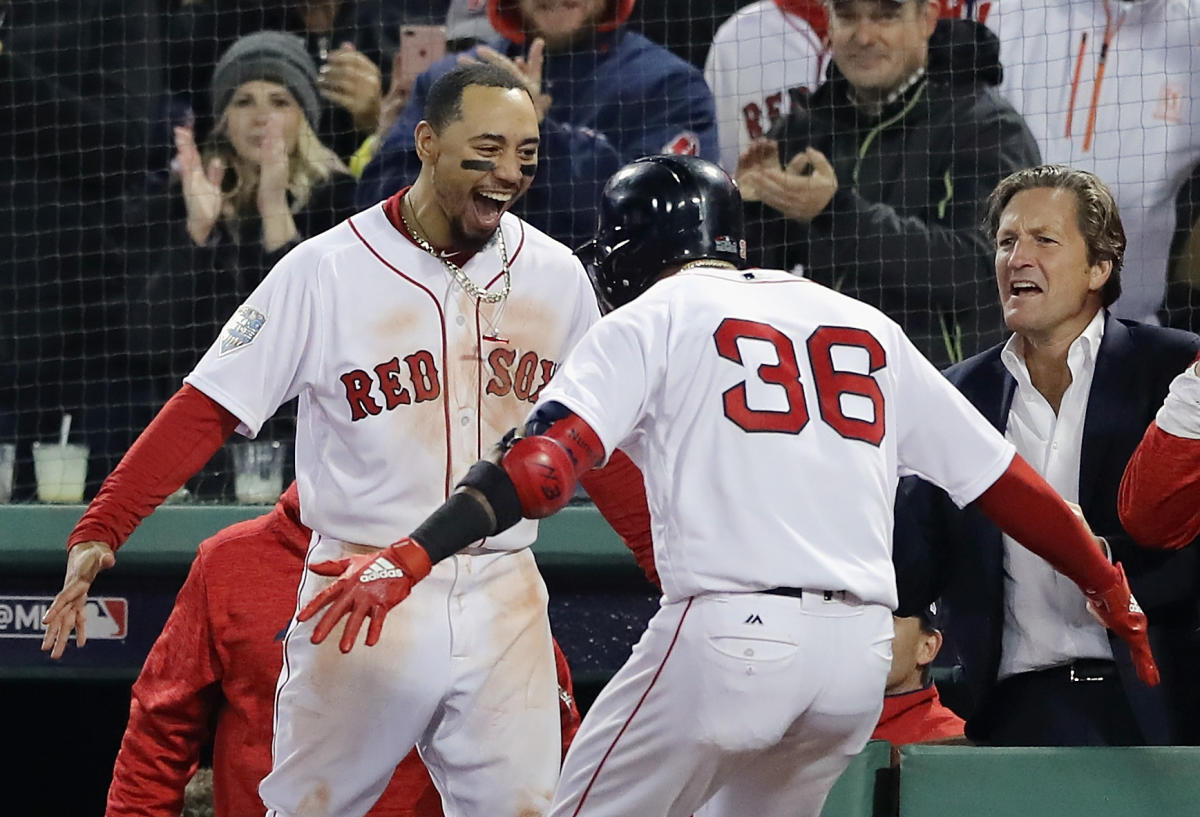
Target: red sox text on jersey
524, 374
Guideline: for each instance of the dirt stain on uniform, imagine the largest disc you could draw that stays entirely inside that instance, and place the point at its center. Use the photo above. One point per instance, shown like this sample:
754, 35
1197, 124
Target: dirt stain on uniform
315, 803
399, 323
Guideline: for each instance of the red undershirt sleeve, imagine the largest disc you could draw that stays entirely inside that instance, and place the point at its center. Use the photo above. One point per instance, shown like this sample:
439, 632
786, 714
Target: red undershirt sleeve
183, 436
1030, 511
620, 496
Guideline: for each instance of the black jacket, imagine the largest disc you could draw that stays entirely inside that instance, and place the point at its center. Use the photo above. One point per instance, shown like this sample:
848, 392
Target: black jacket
188, 292
902, 232
959, 555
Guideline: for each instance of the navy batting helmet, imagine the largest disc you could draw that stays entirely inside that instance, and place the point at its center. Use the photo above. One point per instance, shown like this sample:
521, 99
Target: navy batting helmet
656, 212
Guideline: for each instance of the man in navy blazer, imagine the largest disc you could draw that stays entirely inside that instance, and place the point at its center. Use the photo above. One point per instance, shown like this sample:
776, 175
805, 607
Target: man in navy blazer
1074, 389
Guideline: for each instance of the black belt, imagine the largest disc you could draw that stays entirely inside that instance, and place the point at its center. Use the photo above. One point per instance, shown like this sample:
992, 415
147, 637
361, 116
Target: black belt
798, 592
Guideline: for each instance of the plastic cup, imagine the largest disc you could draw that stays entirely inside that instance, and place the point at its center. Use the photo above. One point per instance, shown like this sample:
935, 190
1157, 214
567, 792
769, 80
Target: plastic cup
61, 471
8, 461
258, 471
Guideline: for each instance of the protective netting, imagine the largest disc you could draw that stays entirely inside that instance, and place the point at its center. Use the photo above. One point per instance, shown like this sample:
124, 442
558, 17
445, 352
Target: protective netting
113, 285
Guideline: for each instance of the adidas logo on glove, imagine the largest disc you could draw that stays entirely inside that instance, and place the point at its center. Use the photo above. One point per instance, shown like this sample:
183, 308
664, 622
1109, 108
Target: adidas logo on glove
381, 568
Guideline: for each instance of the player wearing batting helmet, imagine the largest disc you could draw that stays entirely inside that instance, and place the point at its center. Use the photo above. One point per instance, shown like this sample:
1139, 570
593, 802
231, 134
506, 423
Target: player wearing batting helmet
763, 671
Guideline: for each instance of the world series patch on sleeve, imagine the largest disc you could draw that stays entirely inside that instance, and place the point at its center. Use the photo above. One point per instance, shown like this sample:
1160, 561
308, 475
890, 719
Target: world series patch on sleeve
21, 617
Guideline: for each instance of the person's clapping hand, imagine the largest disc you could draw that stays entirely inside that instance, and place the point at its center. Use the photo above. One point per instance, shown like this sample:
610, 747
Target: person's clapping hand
201, 185
274, 171
800, 191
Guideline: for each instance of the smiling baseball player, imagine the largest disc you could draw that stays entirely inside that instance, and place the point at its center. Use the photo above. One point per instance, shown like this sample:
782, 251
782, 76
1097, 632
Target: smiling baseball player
755, 402
413, 333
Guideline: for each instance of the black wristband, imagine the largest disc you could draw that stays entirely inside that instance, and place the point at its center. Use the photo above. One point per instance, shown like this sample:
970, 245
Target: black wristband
461, 520
497, 487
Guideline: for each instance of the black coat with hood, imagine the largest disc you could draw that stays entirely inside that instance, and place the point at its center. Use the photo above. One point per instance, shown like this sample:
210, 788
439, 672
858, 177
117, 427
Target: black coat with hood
902, 233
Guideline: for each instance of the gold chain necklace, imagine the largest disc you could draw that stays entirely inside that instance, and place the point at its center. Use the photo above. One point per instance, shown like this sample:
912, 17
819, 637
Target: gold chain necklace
463, 280
707, 262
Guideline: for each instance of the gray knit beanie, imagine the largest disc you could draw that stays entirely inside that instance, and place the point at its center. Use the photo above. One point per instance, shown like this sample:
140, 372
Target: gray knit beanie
273, 56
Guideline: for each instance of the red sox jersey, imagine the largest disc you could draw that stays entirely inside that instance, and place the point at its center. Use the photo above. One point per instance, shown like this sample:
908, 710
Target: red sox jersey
761, 57
403, 380
771, 418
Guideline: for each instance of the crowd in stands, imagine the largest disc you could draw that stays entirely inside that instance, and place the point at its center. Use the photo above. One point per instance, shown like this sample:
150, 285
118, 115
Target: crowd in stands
96, 273
159, 156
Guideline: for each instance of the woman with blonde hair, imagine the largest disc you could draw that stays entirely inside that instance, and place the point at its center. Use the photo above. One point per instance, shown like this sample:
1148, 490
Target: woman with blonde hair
260, 184
263, 161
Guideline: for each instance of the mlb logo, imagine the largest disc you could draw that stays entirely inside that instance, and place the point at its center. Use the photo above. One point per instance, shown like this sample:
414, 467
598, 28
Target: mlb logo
21, 617
107, 618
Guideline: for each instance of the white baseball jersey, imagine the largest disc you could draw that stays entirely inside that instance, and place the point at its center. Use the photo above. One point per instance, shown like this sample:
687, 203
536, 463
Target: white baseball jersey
771, 418
404, 381
1112, 87
1180, 412
760, 57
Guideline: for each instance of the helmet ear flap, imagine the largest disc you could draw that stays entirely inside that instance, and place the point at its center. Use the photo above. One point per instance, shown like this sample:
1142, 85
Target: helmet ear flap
589, 256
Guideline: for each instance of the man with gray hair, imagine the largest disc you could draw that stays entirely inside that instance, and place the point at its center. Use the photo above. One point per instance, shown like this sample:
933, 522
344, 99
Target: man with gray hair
876, 187
1073, 389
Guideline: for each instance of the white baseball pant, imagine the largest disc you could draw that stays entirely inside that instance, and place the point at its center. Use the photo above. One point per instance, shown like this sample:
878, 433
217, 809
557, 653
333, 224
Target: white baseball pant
752, 703
464, 670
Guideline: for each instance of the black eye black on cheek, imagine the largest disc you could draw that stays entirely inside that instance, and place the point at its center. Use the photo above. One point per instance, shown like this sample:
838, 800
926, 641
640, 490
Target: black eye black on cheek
483, 165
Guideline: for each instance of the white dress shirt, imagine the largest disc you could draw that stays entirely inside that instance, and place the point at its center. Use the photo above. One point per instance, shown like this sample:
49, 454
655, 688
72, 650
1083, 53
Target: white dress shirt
1046, 622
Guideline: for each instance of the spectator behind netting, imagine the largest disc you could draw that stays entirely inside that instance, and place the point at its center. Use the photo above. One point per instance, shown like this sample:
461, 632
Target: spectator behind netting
606, 95
351, 40
261, 184
763, 60
772, 55
1073, 388
78, 85
884, 176
1111, 87
1181, 307
212, 673
467, 25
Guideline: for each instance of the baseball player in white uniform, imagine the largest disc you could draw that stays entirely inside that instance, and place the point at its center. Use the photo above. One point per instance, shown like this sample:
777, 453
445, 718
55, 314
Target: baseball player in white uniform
771, 418
1111, 86
414, 334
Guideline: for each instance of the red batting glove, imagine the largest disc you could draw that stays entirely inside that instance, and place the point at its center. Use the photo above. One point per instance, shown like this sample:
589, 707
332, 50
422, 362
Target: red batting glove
369, 586
1120, 612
